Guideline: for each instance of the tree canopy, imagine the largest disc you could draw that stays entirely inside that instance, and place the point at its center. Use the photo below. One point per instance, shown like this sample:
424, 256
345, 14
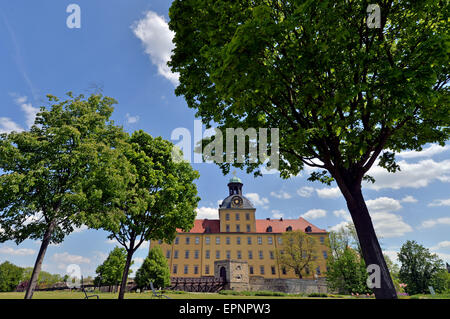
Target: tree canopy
344, 95
154, 269
111, 270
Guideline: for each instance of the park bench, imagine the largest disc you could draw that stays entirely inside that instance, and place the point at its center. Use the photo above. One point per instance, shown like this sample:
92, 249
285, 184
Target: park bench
156, 293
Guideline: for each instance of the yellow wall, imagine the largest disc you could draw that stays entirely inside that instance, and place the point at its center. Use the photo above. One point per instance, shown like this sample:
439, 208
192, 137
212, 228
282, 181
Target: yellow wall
233, 247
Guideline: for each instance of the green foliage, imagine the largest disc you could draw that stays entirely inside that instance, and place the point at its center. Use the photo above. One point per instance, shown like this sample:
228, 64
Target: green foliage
338, 91
154, 269
420, 269
318, 294
297, 252
110, 272
10, 276
62, 172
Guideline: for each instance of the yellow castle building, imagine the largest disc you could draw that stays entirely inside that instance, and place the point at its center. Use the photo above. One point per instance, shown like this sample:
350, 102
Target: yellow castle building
237, 235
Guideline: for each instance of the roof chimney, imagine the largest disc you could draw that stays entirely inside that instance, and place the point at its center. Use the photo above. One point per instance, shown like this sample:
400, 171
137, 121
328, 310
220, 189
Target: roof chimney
281, 219
268, 218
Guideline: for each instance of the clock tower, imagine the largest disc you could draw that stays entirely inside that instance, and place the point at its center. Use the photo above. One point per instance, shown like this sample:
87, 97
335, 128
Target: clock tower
236, 213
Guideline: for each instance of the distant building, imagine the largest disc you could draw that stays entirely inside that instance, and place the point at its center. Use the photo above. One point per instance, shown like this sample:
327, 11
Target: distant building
238, 236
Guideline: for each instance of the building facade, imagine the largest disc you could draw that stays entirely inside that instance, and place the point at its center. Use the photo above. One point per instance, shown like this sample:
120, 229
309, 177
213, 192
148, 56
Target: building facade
237, 235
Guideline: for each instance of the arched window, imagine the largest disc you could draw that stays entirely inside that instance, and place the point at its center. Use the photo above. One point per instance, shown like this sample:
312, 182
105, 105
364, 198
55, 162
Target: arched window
289, 228
269, 229
308, 229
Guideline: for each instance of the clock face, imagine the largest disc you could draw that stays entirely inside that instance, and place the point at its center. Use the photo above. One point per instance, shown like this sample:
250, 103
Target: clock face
236, 201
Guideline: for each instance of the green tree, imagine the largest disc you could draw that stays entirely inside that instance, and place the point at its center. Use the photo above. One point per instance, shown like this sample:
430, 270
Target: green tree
160, 199
418, 267
344, 96
154, 269
10, 276
111, 271
297, 252
64, 172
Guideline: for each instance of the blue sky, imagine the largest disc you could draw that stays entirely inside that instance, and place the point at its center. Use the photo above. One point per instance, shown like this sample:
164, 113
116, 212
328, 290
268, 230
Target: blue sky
122, 47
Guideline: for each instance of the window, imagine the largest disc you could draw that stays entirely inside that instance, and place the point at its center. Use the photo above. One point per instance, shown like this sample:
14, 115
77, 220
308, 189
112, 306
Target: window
280, 241
228, 254
251, 270
175, 254
261, 270
272, 255
250, 254
289, 228
207, 240
273, 270
248, 228
227, 240
308, 229
186, 268
196, 254
186, 254
249, 240
207, 269
238, 228
168, 254
270, 240
227, 216
269, 229
237, 216
318, 270
195, 269
217, 254
259, 240
217, 240
283, 271
261, 254
188, 240
207, 254
239, 255
325, 255
175, 268
197, 240
227, 228
322, 240
177, 240
247, 216
238, 240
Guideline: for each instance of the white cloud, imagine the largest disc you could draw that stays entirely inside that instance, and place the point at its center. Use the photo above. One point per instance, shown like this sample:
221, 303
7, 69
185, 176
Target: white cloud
408, 199
342, 213
434, 222
442, 245
207, 212
66, 258
383, 204
338, 227
28, 109
329, 192
258, 201
276, 214
440, 202
131, 119
392, 254
427, 152
17, 251
281, 195
305, 191
80, 229
156, 37
7, 126
415, 175
388, 225
314, 213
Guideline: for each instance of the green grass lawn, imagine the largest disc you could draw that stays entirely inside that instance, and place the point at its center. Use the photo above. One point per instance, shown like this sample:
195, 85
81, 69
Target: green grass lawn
184, 295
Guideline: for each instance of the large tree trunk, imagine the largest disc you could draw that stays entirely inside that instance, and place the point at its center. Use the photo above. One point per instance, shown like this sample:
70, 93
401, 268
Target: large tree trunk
40, 258
370, 247
123, 284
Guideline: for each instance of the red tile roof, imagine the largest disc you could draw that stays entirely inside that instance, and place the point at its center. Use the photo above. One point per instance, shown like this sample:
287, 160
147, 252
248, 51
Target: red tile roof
278, 225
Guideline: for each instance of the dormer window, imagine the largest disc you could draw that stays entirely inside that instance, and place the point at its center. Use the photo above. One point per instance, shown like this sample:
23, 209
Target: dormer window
269, 229
308, 229
289, 228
